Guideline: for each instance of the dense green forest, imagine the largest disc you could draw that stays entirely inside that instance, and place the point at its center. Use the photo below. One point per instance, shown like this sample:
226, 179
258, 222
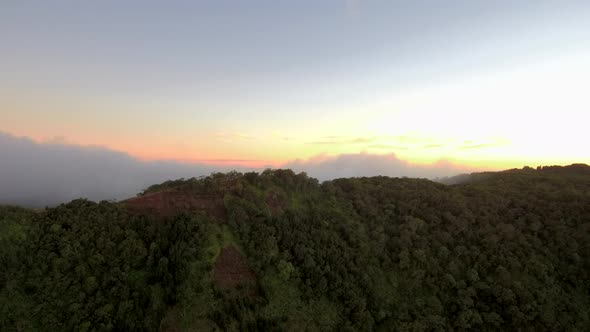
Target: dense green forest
281, 251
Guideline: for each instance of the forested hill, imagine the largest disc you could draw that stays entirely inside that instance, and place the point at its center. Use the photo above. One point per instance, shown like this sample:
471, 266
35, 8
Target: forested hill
281, 251
579, 171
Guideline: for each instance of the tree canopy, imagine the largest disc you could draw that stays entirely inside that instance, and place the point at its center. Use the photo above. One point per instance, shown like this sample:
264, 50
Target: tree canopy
493, 251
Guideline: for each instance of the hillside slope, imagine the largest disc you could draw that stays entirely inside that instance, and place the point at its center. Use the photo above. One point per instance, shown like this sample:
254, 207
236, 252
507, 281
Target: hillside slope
280, 251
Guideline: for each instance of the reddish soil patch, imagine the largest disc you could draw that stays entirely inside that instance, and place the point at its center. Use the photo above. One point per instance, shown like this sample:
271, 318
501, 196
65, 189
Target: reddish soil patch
232, 270
169, 203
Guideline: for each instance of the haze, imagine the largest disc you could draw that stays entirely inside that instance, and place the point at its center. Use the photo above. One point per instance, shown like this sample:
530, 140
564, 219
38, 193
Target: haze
334, 88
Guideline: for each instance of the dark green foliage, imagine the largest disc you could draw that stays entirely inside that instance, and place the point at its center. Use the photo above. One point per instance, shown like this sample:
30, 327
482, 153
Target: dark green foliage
89, 266
508, 251
499, 251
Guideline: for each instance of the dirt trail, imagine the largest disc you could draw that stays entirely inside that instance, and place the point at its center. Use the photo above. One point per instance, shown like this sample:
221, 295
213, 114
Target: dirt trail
232, 270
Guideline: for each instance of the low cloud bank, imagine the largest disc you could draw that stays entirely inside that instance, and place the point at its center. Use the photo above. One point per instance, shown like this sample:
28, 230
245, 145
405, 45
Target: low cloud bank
365, 164
45, 174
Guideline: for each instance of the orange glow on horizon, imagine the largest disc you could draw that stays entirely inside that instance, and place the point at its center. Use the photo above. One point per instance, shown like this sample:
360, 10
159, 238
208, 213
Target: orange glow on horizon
527, 116
310, 153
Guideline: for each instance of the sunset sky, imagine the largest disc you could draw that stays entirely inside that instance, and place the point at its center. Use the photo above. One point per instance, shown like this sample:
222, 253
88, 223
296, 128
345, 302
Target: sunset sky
482, 84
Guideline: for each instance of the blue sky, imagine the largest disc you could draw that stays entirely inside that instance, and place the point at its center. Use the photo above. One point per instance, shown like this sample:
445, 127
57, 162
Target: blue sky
201, 46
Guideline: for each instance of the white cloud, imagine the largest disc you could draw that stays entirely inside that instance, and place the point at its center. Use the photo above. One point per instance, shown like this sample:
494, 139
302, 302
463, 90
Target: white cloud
365, 164
41, 174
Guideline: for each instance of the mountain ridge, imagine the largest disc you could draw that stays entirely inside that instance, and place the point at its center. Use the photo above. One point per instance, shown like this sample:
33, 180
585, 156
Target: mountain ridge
281, 251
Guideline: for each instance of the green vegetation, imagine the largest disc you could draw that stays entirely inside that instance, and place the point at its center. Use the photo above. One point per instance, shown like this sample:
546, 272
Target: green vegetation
88, 266
493, 251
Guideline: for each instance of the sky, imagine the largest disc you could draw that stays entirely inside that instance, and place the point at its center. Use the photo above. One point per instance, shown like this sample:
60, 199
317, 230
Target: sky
46, 174
449, 85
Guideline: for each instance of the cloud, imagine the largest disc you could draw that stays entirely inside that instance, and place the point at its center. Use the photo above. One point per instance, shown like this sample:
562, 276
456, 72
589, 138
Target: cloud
41, 174
48, 173
399, 141
388, 147
365, 164
477, 146
470, 144
341, 140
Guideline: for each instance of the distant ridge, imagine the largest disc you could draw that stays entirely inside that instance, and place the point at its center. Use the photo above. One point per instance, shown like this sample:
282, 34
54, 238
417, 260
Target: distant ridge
569, 170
